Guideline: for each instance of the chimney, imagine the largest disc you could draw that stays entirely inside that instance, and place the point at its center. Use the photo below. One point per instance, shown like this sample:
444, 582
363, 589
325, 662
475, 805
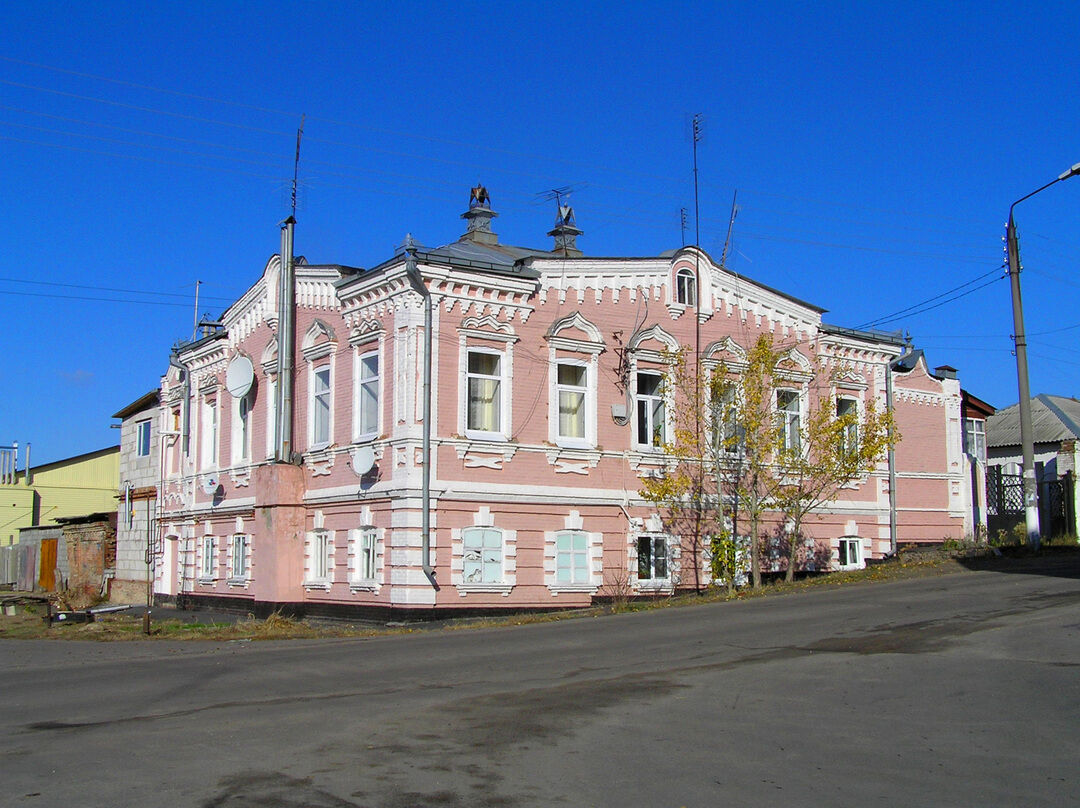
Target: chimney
479, 216
945, 372
565, 232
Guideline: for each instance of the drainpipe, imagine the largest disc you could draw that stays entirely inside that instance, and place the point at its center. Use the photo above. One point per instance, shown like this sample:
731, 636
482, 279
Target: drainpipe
283, 451
417, 281
889, 369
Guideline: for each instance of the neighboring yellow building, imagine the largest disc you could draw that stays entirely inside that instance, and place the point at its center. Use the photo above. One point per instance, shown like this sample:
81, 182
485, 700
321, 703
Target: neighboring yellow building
75, 486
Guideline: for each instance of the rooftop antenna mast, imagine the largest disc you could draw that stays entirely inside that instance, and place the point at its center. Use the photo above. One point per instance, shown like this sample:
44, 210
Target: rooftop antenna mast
296, 164
730, 225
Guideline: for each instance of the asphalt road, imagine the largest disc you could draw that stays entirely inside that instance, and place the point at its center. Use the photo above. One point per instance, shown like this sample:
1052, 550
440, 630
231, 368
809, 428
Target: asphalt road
960, 690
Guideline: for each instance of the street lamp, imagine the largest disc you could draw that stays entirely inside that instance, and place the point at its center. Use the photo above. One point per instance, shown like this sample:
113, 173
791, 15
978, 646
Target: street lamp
1027, 439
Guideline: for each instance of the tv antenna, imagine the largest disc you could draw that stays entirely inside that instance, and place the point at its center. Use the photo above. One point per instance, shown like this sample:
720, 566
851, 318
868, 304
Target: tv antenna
296, 164
730, 225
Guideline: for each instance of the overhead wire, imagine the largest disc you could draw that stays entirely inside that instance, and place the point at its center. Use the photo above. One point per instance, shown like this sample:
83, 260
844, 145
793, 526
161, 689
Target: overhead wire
911, 309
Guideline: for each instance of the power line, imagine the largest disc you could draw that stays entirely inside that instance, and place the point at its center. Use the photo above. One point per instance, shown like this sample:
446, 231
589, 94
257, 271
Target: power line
109, 289
910, 309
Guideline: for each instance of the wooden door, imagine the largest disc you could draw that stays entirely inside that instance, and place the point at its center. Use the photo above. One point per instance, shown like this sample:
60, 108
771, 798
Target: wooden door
47, 568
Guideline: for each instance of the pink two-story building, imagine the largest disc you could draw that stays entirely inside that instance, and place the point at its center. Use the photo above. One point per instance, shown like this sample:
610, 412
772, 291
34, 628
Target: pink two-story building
466, 428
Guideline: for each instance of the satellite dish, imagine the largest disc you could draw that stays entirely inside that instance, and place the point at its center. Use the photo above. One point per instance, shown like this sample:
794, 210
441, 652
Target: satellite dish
363, 459
239, 376
209, 485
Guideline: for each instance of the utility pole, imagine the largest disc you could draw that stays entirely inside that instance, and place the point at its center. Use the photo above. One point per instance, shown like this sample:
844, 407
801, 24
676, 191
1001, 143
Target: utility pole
1027, 433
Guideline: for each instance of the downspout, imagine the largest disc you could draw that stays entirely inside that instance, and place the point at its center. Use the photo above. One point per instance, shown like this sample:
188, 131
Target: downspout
417, 281
889, 370
283, 451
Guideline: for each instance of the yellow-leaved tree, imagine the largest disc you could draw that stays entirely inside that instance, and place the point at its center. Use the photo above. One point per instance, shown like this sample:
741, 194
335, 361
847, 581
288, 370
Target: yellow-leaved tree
755, 442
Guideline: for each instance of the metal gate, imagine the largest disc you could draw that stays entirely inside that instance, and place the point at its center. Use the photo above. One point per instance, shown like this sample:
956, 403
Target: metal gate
1056, 517
1005, 503
1004, 500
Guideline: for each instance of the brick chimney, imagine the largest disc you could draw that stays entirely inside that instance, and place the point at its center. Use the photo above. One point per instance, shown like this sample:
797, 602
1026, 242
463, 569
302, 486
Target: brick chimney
479, 216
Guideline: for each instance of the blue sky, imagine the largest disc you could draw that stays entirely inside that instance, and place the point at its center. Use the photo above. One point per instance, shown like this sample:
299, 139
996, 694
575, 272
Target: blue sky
875, 150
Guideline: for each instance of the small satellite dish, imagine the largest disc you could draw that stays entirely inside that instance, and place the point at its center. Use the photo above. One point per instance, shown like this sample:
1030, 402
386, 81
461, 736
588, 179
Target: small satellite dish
239, 376
363, 459
209, 485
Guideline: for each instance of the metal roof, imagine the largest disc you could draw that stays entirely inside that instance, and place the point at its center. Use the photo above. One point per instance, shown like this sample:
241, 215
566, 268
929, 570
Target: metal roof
1053, 419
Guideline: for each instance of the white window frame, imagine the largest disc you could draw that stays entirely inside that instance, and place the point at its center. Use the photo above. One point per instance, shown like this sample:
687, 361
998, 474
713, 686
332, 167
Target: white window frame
975, 438
653, 579
239, 547
502, 398
846, 547
320, 559
581, 574
315, 440
360, 383
209, 428
789, 418
142, 438
241, 428
484, 562
650, 411
686, 287
365, 551
587, 391
208, 561
271, 414
850, 437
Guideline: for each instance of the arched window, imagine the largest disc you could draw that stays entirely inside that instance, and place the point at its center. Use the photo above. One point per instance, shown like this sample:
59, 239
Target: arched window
685, 287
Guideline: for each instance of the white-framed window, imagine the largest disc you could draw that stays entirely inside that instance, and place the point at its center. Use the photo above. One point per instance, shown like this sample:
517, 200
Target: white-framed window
789, 419
848, 409
849, 553
652, 558
271, 414
366, 374
207, 558
366, 555
572, 558
241, 431
142, 438
321, 410
320, 560
572, 394
482, 559
484, 415
238, 557
650, 424
686, 287
727, 435
209, 433
975, 438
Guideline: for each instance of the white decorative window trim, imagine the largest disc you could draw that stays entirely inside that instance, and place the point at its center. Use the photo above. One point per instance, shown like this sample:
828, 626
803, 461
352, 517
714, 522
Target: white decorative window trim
482, 518
595, 553
484, 454
363, 350
588, 352
313, 581
320, 462
357, 583
572, 461
663, 585
852, 542
240, 476
239, 580
505, 399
